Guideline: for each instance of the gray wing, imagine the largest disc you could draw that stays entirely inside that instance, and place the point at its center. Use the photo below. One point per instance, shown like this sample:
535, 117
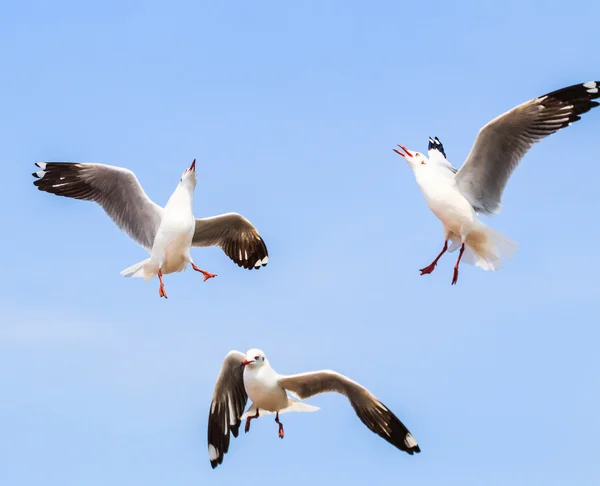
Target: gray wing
236, 236
502, 143
227, 406
374, 414
115, 189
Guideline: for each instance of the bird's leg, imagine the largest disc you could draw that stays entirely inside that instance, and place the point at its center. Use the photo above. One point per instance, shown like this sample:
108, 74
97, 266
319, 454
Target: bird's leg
161, 289
206, 274
247, 427
460, 254
429, 268
280, 425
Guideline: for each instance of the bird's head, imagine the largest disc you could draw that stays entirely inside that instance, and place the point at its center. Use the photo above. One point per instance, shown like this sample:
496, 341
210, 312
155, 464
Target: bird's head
414, 159
254, 358
188, 178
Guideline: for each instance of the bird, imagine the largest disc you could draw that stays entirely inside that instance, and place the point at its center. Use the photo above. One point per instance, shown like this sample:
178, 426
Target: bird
250, 375
456, 197
166, 233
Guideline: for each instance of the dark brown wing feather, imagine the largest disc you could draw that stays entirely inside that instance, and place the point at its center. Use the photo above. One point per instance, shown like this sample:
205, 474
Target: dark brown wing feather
227, 406
236, 236
374, 414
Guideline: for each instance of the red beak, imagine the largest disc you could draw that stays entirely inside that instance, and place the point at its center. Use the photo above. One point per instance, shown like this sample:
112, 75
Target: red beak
193, 166
400, 153
245, 362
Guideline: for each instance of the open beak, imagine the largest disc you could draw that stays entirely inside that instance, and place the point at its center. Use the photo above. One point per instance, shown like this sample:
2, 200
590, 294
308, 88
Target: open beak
408, 154
193, 166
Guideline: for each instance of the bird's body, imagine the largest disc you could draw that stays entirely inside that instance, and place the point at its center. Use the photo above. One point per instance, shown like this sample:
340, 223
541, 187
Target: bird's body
444, 199
167, 233
457, 196
172, 244
263, 389
250, 376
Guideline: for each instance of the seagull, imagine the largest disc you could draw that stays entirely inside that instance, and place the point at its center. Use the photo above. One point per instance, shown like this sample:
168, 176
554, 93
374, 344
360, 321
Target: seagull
250, 375
457, 196
166, 233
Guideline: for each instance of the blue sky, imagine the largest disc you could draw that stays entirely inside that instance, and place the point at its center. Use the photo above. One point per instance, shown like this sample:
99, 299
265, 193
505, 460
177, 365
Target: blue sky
292, 110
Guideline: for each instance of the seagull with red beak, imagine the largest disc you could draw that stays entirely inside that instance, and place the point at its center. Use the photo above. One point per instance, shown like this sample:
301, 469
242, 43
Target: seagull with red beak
167, 233
457, 196
250, 377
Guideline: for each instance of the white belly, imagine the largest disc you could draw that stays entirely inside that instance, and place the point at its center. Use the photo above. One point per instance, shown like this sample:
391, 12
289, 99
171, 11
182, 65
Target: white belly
447, 203
172, 244
265, 396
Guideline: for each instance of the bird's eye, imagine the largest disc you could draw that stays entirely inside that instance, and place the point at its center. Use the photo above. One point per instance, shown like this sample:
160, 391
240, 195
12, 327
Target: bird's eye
256, 357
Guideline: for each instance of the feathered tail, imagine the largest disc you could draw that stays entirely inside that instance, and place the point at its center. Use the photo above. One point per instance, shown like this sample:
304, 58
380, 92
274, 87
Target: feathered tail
293, 406
144, 269
486, 248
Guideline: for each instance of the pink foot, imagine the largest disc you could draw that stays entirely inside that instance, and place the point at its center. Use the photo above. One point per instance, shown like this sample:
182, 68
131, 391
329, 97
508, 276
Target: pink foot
161, 289
428, 269
247, 427
280, 425
206, 274
460, 254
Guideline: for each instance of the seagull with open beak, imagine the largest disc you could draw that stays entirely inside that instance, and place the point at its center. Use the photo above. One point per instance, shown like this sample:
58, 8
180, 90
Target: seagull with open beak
456, 196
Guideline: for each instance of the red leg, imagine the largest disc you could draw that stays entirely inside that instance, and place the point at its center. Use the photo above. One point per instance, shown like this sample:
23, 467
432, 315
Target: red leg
429, 268
206, 274
460, 254
247, 427
161, 289
280, 425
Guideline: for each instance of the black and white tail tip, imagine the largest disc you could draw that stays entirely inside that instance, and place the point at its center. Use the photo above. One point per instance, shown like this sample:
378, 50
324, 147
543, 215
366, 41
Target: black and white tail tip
435, 144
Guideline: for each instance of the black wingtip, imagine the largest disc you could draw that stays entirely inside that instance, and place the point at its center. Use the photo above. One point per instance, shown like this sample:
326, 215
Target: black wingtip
579, 96
435, 144
415, 450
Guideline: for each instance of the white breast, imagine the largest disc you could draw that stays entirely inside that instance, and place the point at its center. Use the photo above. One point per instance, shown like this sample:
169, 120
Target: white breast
444, 199
174, 237
262, 388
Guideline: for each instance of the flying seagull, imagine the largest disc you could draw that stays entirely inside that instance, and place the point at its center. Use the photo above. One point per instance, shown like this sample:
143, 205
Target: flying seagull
167, 233
250, 375
456, 196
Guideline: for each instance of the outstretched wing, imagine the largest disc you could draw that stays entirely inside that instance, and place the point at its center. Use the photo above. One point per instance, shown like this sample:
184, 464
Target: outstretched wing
236, 236
115, 189
374, 414
502, 143
227, 407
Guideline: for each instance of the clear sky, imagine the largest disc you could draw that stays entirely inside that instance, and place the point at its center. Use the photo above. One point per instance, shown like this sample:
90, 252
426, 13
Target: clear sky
292, 110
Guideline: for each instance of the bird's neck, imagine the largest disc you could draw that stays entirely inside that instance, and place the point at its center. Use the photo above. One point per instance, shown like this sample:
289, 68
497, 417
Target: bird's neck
182, 196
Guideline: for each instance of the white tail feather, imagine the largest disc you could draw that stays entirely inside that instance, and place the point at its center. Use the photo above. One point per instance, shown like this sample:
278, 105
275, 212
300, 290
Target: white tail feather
293, 406
487, 248
144, 269
251, 412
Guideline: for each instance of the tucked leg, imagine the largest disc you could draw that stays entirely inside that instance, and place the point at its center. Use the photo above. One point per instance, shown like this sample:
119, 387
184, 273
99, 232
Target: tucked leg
280, 425
206, 274
428, 269
161, 289
247, 427
460, 254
